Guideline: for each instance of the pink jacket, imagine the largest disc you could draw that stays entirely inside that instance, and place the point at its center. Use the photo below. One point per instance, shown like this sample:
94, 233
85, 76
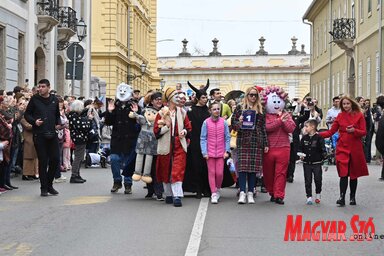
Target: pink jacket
215, 138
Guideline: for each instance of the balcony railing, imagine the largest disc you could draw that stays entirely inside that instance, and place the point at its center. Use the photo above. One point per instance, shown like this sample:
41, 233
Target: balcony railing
344, 29
48, 7
67, 18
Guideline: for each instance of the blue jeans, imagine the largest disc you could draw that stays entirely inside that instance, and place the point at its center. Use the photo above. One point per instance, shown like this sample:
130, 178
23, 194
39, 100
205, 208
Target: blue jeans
243, 177
125, 162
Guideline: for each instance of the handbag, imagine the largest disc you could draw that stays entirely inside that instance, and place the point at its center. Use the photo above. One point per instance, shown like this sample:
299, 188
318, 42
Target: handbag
233, 141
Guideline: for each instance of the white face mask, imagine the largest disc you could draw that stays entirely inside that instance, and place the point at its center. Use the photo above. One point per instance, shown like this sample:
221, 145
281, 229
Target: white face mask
274, 103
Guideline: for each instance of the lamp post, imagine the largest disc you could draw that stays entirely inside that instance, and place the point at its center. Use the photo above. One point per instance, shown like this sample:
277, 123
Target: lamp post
162, 84
81, 32
131, 77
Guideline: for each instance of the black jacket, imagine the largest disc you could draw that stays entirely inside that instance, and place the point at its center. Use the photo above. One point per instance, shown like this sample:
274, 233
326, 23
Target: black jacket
314, 149
79, 127
47, 109
380, 137
125, 130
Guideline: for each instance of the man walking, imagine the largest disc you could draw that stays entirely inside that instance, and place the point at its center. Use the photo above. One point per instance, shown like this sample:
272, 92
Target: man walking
43, 114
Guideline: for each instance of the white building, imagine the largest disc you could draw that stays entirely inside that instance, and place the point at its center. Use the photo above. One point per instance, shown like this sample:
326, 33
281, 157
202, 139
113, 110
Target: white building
32, 37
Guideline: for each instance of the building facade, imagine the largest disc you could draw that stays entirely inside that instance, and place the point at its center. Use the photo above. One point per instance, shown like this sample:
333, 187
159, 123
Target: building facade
32, 35
124, 39
238, 72
346, 45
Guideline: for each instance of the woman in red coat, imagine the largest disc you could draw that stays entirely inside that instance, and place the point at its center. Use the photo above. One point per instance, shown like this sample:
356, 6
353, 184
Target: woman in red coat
350, 159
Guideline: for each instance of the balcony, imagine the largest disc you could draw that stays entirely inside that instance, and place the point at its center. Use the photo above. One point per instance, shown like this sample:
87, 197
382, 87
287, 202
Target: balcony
67, 24
344, 32
47, 15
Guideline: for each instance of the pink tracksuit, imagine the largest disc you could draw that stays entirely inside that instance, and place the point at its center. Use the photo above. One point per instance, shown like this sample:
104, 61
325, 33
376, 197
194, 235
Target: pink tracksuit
214, 142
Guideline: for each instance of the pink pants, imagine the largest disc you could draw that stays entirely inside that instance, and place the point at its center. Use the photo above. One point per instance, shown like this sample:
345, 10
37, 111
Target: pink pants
275, 165
67, 158
215, 173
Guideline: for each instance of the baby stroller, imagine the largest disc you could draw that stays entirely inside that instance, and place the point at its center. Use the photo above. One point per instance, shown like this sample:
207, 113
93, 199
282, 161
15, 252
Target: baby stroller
330, 146
97, 159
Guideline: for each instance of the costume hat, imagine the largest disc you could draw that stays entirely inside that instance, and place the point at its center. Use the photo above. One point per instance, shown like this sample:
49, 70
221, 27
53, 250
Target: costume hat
199, 92
169, 94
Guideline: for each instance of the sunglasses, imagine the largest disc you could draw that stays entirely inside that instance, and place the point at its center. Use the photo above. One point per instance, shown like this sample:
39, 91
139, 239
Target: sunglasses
252, 95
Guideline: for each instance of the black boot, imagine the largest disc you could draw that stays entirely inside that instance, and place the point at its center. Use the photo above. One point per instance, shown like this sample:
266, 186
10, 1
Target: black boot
352, 200
128, 188
382, 174
116, 186
341, 200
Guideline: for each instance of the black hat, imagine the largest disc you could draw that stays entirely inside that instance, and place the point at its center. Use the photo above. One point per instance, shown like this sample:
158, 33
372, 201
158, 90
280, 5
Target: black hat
156, 95
199, 92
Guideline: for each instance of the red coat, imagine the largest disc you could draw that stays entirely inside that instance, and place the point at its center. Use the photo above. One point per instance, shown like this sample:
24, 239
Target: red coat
349, 149
170, 168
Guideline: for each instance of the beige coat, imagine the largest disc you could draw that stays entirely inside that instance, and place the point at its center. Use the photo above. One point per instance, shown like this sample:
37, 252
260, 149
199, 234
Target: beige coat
29, 147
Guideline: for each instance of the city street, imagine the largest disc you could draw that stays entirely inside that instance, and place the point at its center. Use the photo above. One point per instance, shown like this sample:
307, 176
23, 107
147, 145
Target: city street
86, 219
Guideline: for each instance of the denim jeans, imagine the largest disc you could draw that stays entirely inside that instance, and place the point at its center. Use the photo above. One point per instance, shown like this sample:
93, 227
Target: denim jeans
125, 162
243, 177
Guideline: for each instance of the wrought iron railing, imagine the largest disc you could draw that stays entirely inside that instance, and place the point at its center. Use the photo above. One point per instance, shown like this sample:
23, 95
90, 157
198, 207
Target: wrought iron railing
67, 18
344, 29
48, 7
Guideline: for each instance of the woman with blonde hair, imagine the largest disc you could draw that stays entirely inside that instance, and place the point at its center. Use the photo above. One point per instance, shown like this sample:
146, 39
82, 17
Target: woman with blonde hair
350, 158
251, 142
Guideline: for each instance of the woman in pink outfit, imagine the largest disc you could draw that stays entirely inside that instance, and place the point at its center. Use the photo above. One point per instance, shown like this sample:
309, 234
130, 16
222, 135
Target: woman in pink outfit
214, 142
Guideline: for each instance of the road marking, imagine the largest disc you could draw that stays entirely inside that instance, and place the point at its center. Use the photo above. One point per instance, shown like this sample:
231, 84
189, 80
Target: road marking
197, 230
88, 200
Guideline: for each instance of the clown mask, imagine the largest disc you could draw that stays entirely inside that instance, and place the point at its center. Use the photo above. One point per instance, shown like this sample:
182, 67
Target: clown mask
275, 104
175, 99
124, 92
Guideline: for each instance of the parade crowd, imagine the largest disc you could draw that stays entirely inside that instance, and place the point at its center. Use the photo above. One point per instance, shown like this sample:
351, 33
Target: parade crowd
178, 143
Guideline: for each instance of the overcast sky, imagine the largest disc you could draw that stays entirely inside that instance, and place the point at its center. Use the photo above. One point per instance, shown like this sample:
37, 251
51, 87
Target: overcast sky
238, 24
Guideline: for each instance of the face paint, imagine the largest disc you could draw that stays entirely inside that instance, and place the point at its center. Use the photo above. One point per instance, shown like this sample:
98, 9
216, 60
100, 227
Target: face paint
175, 99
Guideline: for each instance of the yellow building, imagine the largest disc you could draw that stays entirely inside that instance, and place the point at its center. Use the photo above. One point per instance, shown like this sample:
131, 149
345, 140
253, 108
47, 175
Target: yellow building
237, 72
346, 45
123, 39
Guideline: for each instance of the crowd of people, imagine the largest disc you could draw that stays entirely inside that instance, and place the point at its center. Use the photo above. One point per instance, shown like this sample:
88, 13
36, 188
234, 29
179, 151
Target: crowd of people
178, 143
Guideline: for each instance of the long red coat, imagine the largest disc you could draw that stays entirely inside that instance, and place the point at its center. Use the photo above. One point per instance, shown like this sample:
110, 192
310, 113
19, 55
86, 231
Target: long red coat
349, 149
170, 168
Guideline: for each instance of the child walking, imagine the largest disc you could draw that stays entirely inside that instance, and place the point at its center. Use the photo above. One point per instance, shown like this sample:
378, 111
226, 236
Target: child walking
312, 152
215, 146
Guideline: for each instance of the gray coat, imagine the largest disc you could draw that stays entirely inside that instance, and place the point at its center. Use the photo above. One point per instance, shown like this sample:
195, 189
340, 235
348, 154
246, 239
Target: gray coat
147, 142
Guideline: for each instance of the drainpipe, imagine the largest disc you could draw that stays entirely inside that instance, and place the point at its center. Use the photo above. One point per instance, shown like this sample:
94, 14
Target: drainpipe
330, 56
380, 42
311, 55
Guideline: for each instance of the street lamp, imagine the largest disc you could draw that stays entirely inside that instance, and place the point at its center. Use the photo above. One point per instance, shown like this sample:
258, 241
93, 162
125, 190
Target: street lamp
162, 84
81, 32
143, 68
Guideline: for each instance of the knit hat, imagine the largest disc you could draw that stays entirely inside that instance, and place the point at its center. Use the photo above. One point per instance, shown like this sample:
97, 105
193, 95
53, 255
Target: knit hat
156, 95
200, 92
169, 93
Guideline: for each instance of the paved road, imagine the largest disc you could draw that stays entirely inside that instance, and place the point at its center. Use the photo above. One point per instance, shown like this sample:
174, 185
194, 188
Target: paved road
85, 219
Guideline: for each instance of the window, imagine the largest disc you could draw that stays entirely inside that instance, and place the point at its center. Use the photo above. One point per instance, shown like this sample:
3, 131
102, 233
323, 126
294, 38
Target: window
377, 75
317, 42
325, 37
360, 80
353, 9
339, 16
361, 10
369, 6
345, 9
2, 58
369, 77
20, 60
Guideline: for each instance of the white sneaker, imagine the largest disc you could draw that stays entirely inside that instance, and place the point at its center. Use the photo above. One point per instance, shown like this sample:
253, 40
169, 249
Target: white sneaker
241, 198
309, 201
218, 194
214, 199
60, 180
318, 198
250, 198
